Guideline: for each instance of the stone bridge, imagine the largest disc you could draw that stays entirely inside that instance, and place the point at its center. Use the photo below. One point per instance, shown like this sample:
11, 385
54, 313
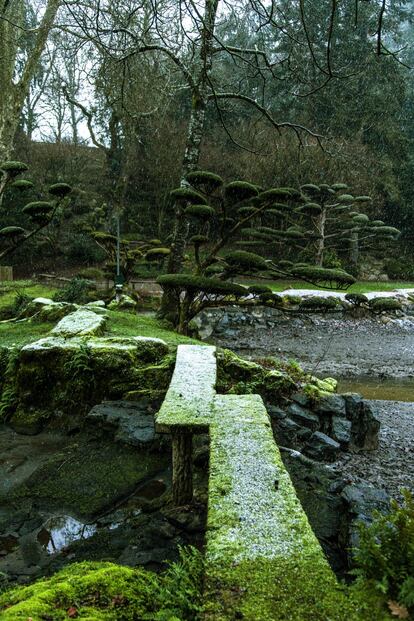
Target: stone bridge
263, 561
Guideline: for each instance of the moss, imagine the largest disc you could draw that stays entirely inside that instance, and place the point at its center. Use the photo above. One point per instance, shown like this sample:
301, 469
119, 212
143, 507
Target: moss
204, 178
238, 376
276, 194
361, 218
108, 592
188, 404
335, 278
310, 209
245, 261
317, 303
188, 282
203, 212
156, 254
311, 188
238, 191
263, 562
357, 299
22, 184
12, 232
187, 195
387, 231
54, 382
13, 168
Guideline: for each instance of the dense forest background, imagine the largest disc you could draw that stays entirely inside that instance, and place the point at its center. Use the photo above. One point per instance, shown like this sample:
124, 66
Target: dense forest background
281, 94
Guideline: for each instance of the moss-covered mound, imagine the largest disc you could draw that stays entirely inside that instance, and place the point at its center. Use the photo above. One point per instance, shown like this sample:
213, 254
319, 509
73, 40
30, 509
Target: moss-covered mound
108, 592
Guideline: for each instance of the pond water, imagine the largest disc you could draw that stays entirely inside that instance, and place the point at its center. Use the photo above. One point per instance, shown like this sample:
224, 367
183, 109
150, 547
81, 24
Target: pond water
399, 389
60, 531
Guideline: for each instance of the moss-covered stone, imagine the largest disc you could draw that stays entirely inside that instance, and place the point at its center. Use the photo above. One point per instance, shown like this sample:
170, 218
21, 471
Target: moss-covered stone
238, 376
263, 561
59, 379
189, 398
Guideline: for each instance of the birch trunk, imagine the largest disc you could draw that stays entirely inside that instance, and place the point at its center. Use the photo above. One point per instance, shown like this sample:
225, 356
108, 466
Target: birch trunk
195, 134
195, 130
14, 92
320, 244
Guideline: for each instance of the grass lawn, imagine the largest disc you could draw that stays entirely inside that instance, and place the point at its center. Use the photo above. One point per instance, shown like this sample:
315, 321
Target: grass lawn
22, 333
358, 287
8, 291
127, 324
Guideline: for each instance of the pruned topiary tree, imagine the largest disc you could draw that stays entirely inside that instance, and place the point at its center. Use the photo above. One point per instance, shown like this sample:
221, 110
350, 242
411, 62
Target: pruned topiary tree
131, 253
335, 219
224, 216
38, 214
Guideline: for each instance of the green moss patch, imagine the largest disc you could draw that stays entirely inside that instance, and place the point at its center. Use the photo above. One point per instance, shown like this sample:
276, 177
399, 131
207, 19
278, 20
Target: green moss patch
108, 592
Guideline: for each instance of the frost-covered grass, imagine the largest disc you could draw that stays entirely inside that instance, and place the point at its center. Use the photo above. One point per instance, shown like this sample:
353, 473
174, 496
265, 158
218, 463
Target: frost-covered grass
359, 287
20, 334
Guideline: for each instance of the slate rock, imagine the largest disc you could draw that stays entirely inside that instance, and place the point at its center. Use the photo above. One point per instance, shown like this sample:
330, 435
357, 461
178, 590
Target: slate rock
130, 421
321, 447
275, 412
331, 404
303, 417
341, 430
286, 432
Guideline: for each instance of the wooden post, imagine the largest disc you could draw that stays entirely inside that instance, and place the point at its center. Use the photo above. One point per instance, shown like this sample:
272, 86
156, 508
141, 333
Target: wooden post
182, 458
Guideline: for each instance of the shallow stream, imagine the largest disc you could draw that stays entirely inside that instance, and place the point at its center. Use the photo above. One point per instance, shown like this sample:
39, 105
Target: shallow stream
389, 389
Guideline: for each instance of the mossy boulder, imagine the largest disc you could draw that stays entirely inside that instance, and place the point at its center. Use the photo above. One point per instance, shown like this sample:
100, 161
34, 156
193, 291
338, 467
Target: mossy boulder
238, 376
102, 591
83, 322
125, 303
57, 380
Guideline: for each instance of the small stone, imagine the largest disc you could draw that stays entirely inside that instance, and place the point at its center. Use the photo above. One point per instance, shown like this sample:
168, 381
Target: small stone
82, 322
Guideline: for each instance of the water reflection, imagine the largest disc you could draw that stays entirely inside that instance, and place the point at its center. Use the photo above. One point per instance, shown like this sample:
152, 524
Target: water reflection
58, 532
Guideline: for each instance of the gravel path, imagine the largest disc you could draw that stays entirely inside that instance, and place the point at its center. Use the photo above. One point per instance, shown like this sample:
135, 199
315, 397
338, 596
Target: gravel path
391, 467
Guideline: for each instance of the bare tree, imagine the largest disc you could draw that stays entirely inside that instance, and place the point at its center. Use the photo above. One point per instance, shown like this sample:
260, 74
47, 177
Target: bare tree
15, 82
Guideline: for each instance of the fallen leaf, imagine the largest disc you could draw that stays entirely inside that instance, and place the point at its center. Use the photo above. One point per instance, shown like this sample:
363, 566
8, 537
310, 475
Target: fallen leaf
397, 610
72, 612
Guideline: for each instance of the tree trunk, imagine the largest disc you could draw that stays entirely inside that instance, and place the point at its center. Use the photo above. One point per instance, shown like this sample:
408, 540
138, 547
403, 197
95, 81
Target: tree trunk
195, 130
182, 458
13, 94
354, 248
320, 243
195, 134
